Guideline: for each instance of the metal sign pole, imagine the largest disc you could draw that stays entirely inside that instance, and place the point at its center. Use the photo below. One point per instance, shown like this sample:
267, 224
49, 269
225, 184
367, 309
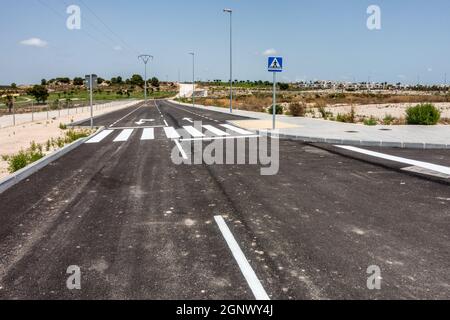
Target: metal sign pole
90, 98
274, 99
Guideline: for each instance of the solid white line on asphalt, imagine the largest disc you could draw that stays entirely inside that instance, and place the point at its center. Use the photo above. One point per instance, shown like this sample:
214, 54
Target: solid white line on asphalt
183, 154
171, 133
220, 138
216, 131
246, 269
426, 165
102, 135
126, 116
124, 135
193, 132
148, 134
238, 130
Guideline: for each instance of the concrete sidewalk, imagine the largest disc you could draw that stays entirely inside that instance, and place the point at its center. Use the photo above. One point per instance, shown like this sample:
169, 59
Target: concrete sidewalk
317, 130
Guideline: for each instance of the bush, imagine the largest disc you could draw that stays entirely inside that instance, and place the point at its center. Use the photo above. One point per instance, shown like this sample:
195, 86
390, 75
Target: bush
388, 120
370, 121
423, 114
278, 109
25, 157
297, 109
347, 118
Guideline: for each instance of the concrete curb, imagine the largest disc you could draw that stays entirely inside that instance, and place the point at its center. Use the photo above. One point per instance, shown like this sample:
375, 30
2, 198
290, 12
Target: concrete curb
24, 173
361, 143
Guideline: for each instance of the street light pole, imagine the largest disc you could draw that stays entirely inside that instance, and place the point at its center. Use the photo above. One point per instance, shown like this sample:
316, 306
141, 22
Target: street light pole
145, 58
193, 78
231, 57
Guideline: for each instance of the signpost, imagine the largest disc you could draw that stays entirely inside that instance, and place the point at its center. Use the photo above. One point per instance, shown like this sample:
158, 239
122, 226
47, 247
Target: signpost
275, 65
91, 84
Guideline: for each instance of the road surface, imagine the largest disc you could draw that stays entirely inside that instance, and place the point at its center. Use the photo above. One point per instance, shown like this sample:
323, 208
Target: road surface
142, 227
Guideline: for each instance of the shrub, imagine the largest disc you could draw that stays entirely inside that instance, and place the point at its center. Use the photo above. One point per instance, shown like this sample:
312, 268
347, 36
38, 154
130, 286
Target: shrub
297, 109
25, 157
278, 109
370, 121
62, 126
347, 118
388, 120
423, 114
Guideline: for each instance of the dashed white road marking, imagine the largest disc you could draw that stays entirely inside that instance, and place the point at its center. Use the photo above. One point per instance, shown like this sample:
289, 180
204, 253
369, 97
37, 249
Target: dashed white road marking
193, 132
99, 137
171, 133
124, 135
215, 131
426, 165
250, 275
165, 122
148, 134
235, 129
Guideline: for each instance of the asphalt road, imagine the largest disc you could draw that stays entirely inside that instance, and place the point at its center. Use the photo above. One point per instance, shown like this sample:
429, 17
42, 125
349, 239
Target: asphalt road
142, 227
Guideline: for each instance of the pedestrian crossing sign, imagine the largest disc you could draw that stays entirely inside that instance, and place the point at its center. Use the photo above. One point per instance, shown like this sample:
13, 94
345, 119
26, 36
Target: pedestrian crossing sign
275, 64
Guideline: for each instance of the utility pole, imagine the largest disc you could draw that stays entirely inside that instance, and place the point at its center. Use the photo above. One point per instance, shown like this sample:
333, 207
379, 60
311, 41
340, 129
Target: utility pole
145, 58
231, 57
193, 78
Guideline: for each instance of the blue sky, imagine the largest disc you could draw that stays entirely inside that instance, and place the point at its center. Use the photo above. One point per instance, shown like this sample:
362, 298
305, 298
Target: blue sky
319, 39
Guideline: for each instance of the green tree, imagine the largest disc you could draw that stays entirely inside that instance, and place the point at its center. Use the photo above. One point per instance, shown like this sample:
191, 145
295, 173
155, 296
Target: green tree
78, 81
9, 101
100, 80
155, 82
43, 82
284, 86
13, 85
40, 93
137, 80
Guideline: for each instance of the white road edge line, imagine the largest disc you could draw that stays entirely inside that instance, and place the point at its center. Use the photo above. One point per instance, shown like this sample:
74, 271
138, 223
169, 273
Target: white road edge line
183, 154
426, 165
246, 269
112, 125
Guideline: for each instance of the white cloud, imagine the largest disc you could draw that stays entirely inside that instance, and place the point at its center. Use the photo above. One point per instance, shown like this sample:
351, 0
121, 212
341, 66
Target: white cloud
118, 48
34, 42
270, 52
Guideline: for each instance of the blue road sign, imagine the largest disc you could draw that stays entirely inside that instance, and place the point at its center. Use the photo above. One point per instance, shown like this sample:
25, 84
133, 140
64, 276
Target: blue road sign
275, 64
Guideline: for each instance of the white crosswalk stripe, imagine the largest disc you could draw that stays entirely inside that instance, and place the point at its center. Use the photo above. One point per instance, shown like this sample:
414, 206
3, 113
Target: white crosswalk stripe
148, 134
235, 129
215, 131
124, 135
99, 137
171, 133
193, 132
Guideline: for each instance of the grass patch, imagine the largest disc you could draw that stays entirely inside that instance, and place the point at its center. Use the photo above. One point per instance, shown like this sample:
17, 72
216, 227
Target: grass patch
370, 121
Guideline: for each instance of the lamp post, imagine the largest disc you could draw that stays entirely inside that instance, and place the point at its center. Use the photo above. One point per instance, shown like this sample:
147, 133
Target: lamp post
145, 58
231, 57
193, 77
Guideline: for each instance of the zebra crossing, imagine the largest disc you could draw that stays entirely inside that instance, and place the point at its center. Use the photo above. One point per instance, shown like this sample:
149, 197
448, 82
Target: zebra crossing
186, 132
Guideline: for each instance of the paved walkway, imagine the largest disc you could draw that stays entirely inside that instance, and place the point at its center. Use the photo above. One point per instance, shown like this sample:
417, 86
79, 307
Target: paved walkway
317, 130
21, 118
